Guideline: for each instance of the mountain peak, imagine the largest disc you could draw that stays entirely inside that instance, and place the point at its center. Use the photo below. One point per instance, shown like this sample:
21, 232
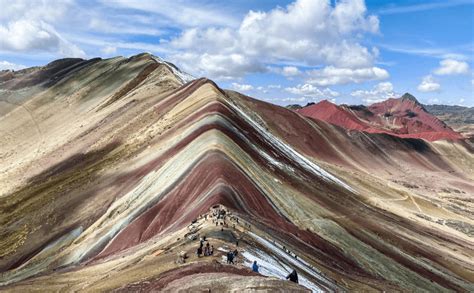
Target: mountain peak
410, 97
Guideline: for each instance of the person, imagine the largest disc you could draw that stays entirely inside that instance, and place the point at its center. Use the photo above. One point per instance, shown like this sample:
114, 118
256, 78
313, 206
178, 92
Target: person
230, 257
293, 276
211, 251
199, 251
206, 249
255, 266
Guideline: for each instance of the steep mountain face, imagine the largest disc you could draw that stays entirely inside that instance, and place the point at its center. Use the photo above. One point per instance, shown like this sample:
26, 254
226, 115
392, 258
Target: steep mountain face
111, 170
403, 117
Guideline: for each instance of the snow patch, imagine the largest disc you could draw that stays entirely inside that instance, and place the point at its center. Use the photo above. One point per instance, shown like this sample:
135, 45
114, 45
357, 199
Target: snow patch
183, 76
297, 263
291, 152
272, 267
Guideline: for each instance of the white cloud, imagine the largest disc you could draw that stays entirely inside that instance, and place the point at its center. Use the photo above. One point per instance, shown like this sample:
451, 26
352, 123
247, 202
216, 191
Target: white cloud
26, 27
262, 89
309, 90
242, 87
428, 84
378, 93
274, 86
12, 66
288, 71
331, 75
452, 67
330, 33
46, 10
109, 50
219, 66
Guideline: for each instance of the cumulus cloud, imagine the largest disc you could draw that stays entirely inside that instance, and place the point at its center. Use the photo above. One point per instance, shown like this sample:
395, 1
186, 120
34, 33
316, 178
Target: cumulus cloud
4, 65
242, 87
331, 75
27, 28
330, 33
378, 93
219, 66
309, 90
428, 84
47, 10
30, 35
452, 67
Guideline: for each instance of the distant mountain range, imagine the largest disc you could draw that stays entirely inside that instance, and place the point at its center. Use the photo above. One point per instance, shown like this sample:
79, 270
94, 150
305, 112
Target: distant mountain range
402, 117
459, 118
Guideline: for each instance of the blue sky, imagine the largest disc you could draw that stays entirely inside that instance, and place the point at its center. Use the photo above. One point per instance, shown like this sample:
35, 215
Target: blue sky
284, 52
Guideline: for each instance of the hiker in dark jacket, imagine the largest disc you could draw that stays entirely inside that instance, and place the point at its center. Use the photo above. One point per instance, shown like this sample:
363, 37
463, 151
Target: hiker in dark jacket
230, 257
293, 276
199, 251
255, 266
206, 249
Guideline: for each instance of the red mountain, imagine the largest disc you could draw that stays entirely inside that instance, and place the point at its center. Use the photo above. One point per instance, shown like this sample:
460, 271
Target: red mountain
334, 114
402, 117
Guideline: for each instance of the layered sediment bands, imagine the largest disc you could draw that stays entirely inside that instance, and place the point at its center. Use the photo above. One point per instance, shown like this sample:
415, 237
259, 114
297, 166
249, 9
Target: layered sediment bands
107, 204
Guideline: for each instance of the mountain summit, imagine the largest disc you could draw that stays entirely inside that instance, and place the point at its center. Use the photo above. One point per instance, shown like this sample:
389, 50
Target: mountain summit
124, 175
410, 97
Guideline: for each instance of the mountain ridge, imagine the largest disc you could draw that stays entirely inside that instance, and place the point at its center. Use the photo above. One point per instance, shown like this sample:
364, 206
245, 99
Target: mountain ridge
133, 164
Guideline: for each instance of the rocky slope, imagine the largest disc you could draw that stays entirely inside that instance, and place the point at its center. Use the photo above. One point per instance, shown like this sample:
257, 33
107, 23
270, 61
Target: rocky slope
111, 169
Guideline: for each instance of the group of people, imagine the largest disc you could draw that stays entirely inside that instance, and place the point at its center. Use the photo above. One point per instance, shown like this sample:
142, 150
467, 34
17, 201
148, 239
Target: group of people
206, 250
219, 216
293, 276
231, 255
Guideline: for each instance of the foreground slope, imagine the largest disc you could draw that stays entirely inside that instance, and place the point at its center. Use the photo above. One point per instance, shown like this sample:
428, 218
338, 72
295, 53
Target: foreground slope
108, 162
